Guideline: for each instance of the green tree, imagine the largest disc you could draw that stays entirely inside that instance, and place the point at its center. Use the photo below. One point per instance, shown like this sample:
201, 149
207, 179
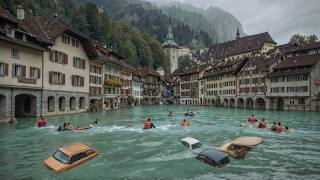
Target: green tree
302, 40
185, 61
311, 39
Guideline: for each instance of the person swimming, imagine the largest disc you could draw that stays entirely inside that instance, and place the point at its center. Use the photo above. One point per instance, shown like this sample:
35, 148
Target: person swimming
63, 127
286, 129
278, 128
170, 114
252, 119
41, 122
148, 124
185, 123
273, 127
262, 124
95, 122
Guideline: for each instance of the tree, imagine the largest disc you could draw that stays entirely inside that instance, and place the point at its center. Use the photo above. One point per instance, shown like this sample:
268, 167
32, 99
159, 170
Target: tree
185, 61
303, 40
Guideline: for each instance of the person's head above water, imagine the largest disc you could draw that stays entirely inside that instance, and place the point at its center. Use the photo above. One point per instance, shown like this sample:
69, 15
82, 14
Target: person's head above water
184, 120
279, 123
64, 124
252, 115
274, 123
287, 128
263, 120
149, 119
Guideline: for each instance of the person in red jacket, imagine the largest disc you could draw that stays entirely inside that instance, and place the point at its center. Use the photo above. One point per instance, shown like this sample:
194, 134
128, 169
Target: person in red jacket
41, 122
185, 123
148, 124
252, 119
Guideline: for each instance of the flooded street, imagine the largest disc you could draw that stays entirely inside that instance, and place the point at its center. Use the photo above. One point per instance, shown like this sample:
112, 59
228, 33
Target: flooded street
128, 152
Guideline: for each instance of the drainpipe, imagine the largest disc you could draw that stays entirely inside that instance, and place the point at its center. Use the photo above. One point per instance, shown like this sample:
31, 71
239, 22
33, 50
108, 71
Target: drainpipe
41, 97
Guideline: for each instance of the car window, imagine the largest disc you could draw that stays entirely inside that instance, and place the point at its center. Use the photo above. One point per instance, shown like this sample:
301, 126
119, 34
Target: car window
201, 158
89, 152
77, 157
197, 145
211, 162
225, 161
60, 156
185, 144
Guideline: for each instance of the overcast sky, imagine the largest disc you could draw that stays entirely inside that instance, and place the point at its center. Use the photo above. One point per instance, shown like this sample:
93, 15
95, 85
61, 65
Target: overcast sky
282, 18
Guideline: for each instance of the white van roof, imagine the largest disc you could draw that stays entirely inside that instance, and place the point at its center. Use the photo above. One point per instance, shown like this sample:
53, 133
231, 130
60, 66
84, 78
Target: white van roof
190, 140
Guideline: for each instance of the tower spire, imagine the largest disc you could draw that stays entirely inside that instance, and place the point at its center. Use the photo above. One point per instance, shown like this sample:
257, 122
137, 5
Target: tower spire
238, 34
169, 40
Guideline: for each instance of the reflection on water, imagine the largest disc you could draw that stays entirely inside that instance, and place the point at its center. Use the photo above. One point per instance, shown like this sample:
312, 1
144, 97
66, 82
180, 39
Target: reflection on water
129, 152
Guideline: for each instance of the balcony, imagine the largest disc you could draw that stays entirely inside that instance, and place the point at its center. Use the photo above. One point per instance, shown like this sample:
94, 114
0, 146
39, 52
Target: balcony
113, 83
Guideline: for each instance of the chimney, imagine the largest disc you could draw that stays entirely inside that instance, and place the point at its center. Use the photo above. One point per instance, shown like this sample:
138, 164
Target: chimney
20, 13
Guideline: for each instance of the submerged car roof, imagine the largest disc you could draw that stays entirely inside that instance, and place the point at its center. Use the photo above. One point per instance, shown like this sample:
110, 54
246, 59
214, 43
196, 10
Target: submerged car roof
247, 141
214, 154
190, 140
73, 148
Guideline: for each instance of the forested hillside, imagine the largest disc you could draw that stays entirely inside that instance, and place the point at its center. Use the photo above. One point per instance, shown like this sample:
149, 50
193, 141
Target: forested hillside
139, 48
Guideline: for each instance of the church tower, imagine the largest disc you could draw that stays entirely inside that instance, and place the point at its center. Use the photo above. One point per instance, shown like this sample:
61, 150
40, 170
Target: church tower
170, 48
238, 34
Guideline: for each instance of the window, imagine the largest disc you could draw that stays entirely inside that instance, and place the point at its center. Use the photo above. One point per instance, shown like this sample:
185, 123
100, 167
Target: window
18, 70
15, 53
77, 81
301, 101
74, 42
60, 156
291, 101
65, 39
10, 32
3, 69
34, 72
77, 157
58, 57
95, 69
56, 78
79, 63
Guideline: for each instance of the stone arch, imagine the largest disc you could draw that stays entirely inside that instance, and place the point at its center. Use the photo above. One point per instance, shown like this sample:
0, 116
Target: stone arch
240, 103
72, 103
225, 102
2, 105
260, 103
232, 102
51, 104
62, 103
25, 105
249, 103
82, 103
218, 102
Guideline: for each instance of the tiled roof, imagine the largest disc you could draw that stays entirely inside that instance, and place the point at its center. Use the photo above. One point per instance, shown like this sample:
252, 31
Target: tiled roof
195, 69
263, 63
145, 71
232, 67
290, 72
299, 61
48, 28
245, 44
5, 14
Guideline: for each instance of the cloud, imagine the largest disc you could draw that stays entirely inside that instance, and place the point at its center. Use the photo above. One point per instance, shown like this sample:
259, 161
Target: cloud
281, 18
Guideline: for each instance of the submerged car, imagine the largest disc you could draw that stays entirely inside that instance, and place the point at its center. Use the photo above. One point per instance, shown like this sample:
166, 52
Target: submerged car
191, 143
239, 147
70, 156
214, 158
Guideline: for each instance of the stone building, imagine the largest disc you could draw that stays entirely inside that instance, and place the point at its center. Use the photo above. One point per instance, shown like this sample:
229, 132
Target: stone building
65, 65
151, 86
170, 48
241, 47
294, 84
137, 87
190, 84
220, 83
251, 82
126, 74
21, 66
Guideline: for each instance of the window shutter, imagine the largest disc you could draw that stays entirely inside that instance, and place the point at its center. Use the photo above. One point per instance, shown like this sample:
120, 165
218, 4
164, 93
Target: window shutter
83, 63
23, 71
74, 62
30, 72
38, 72
72, 80
63, 79
65, 58
13, 66
56, 56
50, 77
6, 69
82, 81
51, 55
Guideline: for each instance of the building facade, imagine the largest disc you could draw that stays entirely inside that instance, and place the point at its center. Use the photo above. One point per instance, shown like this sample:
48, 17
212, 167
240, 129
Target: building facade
151, 86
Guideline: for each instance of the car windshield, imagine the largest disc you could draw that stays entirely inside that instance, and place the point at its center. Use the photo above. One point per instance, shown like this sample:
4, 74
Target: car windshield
225, 161
198, 145
60, 156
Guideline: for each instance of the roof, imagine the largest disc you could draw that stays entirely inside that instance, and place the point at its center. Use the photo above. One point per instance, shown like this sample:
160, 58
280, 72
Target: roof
242, 45
22, 43
145, 71
195, 69
48, 28
263, 63
190, 140
231, 67
299, 61
289, 72
293, 47
5, 14
169, 41
247, 141
214, 154
73, 148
